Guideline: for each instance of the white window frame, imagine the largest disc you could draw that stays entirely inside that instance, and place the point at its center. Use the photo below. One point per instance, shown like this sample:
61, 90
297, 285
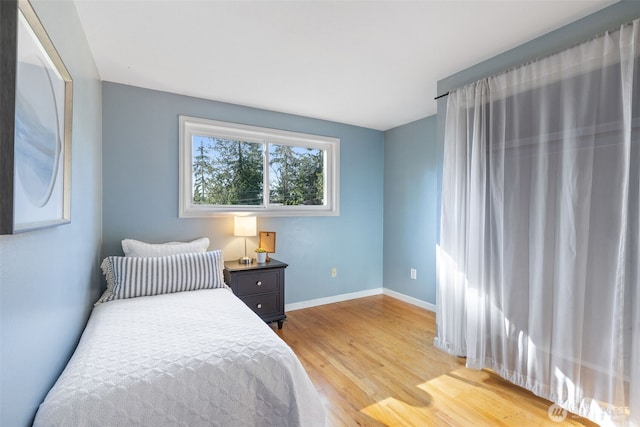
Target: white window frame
194, 126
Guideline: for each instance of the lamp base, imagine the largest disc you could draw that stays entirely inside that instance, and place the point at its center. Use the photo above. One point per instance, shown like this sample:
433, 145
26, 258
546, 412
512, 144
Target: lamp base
245, 260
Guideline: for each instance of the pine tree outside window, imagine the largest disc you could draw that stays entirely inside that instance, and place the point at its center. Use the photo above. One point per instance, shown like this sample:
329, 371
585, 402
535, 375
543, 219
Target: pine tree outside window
228, 168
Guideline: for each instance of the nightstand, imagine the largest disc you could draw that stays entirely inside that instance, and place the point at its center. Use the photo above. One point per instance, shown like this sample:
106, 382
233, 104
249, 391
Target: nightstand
260, 286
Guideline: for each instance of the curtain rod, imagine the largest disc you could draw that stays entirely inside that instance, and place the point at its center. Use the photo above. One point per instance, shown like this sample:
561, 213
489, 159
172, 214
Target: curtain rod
535, 59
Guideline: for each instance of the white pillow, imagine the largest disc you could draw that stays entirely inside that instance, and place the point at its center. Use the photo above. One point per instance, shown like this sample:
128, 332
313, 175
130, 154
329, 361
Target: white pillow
136, 248
129, 277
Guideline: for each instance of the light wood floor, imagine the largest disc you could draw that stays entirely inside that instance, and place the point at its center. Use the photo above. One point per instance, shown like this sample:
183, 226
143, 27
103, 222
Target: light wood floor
374, 363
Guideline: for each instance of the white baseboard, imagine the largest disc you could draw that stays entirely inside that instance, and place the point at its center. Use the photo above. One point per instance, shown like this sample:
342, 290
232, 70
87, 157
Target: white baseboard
361, 294
332, 299
411, 300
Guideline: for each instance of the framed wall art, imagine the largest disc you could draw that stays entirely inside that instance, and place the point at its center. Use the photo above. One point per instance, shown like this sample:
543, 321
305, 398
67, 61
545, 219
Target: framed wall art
35, 124
267, 241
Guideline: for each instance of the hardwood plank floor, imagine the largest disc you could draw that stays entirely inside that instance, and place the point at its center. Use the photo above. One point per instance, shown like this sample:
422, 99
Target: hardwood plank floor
374, 364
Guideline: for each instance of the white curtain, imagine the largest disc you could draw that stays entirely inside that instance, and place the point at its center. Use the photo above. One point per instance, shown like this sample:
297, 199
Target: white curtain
538, 262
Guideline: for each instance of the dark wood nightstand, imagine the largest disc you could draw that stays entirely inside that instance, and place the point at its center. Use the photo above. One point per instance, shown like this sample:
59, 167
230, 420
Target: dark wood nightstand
260, 286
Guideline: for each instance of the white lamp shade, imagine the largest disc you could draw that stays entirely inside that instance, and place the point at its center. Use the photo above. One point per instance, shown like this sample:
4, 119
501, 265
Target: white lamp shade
244, 226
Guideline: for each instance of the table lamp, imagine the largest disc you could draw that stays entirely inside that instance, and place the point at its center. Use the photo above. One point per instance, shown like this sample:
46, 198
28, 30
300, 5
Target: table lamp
244, 226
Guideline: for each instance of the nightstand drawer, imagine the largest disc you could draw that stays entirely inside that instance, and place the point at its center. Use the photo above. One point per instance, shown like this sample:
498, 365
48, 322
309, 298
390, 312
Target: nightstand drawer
257, 283
263, 304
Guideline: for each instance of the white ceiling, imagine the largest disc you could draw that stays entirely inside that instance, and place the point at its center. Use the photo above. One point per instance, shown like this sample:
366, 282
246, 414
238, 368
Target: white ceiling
367, 63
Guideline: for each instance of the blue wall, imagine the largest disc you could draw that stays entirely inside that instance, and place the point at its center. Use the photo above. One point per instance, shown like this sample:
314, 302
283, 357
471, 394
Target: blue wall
410, 203
49, 278
140, 163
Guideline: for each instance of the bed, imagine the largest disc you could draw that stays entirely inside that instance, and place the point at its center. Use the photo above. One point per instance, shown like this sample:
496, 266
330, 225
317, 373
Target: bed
198, 357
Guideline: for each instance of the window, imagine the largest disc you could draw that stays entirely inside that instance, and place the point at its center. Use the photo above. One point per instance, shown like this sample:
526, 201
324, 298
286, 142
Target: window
230, 168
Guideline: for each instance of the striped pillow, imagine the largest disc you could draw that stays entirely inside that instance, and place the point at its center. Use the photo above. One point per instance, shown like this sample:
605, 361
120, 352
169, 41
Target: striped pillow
129, 277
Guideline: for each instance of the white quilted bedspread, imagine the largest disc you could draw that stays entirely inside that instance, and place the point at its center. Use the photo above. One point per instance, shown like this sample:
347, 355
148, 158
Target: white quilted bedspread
199, 358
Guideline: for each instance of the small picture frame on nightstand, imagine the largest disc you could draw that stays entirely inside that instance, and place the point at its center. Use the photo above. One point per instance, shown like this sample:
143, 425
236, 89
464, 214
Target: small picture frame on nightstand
267, 240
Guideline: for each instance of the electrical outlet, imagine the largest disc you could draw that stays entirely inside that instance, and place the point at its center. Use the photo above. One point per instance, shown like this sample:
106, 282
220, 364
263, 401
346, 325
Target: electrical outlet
334, 272
413, 274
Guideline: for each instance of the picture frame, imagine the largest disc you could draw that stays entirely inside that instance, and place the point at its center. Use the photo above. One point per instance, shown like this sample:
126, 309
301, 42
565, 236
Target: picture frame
36, 92
267, 240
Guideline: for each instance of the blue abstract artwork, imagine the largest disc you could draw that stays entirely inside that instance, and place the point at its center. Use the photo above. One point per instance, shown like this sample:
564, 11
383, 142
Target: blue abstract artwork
41, 167
37, 134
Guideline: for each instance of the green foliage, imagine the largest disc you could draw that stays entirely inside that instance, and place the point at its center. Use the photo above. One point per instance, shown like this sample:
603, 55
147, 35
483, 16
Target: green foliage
230, 172
297, 176
202, 172
227, 172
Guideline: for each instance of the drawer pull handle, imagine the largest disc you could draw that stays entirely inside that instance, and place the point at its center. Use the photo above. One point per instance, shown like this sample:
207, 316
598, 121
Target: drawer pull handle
259, 306
259, 283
